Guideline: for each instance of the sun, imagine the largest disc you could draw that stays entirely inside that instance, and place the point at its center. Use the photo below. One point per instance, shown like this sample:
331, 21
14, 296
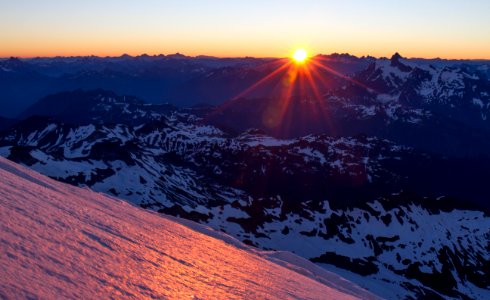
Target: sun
300, 56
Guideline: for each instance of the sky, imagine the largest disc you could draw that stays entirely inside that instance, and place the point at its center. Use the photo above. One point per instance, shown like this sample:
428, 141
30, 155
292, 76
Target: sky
263, 28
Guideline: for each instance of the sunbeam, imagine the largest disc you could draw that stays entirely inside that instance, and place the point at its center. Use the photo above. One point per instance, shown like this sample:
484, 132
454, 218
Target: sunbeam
295, 88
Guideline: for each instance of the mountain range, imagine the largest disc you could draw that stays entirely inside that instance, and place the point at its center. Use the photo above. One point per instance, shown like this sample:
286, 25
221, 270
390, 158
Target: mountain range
176, 79
380, 177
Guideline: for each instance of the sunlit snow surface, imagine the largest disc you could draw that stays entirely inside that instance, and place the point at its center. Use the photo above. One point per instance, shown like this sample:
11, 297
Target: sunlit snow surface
59, 241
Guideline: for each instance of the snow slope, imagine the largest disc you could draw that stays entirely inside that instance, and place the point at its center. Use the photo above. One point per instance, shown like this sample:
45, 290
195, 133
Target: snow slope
60, 241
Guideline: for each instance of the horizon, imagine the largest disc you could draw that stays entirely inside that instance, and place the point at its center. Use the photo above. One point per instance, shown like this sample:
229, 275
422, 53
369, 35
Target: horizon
439, 29
241, 57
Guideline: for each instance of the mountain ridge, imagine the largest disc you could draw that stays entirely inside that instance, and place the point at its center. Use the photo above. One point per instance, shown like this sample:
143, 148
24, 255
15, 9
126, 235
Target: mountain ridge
380, 176
174, 163
182, 81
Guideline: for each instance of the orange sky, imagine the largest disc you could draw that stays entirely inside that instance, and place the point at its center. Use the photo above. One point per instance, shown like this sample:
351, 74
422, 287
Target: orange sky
447, 29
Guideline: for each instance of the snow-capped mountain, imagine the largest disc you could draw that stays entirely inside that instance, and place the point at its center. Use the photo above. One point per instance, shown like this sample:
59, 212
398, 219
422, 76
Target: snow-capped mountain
186, 81
428, 105
398, 221
461, 92
62, 241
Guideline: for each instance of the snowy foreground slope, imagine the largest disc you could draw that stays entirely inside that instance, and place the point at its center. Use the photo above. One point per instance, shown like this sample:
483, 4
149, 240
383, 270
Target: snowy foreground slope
60, 241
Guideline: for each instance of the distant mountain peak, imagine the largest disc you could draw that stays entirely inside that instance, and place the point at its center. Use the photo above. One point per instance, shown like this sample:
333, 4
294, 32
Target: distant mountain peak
176, 55
342, 55
396, 56
396, 62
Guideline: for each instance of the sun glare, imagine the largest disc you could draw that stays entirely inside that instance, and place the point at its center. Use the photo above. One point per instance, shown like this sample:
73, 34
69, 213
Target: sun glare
300, 56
